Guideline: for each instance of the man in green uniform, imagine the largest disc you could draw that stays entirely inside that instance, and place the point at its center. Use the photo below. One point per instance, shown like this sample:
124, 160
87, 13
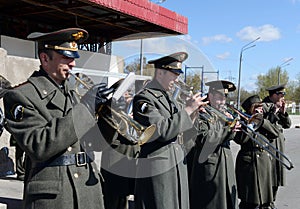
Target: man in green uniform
275, 112
48, 121
212, 182
161, 170
253, 162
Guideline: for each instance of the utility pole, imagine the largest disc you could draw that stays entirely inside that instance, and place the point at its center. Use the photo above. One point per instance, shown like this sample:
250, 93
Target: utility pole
245, 47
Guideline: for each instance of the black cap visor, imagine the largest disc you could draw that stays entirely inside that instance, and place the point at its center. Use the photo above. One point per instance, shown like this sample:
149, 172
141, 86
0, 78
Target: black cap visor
71, 54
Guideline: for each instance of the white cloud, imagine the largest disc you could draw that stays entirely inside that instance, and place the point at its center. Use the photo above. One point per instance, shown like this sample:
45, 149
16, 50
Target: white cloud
217, 38
223, 56
266, 33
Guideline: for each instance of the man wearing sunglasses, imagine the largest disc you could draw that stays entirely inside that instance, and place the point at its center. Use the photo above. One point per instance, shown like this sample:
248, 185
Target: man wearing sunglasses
275, 111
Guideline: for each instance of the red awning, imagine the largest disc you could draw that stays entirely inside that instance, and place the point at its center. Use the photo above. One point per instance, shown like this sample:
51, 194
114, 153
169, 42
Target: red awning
105, 20
148, 11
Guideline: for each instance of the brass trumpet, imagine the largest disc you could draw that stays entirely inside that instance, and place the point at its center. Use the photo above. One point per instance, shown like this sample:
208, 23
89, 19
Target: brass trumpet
215, 114
120, 121
253, 123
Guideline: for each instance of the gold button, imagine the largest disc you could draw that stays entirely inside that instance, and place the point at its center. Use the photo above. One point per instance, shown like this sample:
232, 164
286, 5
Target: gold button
45, 91
76, 175
69, 149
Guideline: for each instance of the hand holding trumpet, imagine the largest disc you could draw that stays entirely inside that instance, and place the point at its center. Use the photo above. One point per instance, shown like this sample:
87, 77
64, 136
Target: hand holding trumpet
194, 102
95, 97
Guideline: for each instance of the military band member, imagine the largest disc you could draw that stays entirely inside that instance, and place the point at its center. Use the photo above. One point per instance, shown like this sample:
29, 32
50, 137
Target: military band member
212, 183
253, 163
275, 112
48, 120
161, 171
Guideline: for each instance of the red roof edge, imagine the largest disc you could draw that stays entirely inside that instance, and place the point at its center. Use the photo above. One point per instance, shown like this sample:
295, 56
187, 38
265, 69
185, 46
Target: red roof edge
148, 11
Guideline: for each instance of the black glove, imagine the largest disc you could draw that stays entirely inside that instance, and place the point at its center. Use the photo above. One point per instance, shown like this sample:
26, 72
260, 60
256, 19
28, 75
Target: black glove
96, 96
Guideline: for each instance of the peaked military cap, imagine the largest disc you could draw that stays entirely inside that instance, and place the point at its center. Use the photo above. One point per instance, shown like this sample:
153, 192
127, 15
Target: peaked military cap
246, 105
62, 41
172, 62
221, 86
276, 89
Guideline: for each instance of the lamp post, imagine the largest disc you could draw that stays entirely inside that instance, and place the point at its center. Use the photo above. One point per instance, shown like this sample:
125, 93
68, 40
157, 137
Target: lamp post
285, 63
141, 57
245, 47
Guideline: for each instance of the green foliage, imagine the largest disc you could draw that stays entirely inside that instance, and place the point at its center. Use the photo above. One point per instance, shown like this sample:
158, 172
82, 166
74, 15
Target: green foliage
194, 81
135, 66
273, 77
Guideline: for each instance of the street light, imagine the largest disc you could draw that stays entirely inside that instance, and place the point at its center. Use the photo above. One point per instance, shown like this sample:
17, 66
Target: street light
245, 47
285, 63
141, 57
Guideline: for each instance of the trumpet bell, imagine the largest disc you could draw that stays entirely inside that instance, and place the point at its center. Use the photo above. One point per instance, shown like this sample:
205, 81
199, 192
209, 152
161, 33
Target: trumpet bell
146, 134
126, 126
256, 120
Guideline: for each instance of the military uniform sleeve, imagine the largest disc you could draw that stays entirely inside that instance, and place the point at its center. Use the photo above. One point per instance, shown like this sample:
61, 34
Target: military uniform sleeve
168, 126
285, 120
39, 133
211, 134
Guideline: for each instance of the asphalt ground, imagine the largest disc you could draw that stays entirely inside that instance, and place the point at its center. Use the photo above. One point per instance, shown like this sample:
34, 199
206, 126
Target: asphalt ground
11, 189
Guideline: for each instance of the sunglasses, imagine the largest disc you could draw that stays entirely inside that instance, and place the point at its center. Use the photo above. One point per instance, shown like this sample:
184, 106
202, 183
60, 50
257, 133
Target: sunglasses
280, 92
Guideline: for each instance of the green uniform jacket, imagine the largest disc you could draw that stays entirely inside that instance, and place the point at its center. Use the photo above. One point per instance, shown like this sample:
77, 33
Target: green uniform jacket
212, 181
161, 162
47, 125
278, 122
254, 166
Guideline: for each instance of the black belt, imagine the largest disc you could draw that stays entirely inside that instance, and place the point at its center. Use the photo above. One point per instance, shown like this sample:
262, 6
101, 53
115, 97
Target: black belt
253, 149
79, 159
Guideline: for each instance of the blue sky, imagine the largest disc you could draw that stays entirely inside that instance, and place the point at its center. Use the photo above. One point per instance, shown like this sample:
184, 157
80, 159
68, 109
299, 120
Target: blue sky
219, 29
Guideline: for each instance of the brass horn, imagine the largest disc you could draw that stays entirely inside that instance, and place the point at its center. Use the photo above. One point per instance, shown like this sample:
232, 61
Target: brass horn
126, 126
253, 123
120, 121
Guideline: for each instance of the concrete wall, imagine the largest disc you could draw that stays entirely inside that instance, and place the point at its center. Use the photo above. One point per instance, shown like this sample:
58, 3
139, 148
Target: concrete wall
16, 70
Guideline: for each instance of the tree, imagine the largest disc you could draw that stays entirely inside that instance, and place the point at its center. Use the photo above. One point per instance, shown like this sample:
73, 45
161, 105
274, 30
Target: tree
272, 78
194, 81
135, 66
294, 90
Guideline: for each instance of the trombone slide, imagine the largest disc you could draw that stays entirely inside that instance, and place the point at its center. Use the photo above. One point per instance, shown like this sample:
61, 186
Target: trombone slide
267, 146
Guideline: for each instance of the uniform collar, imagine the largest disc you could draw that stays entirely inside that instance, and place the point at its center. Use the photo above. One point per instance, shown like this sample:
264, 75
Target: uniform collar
154, 84
44, 84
